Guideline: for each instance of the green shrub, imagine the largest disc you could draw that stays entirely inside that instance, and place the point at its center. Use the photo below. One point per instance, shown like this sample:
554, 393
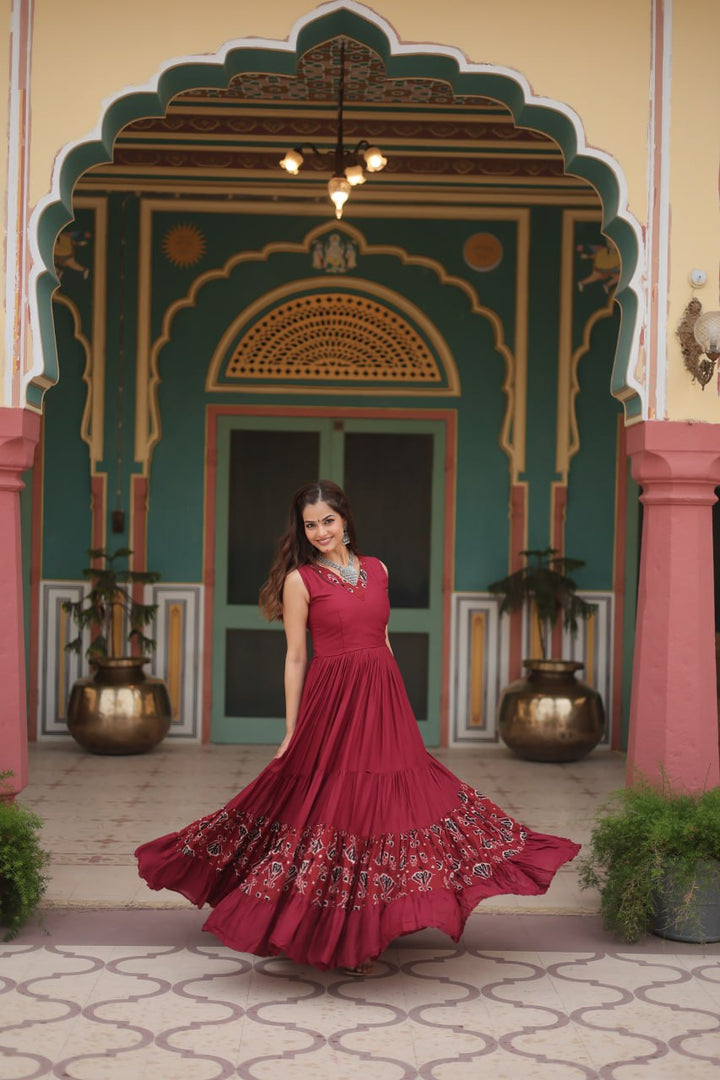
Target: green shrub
22, 863
643, 835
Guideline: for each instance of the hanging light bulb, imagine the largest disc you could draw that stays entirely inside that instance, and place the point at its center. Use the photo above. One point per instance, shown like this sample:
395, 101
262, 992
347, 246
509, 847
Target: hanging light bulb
355, 175
374, 159
292, 161
338, 190
348, 165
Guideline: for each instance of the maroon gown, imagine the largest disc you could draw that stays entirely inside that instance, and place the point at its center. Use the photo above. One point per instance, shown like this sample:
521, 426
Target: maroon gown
356, 834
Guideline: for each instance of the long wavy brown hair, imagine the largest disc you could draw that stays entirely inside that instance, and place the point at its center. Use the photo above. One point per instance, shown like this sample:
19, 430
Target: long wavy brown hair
294, 548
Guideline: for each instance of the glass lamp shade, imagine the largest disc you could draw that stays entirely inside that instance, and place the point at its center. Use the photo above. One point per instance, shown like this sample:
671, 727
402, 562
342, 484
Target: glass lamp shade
374, 159
707, 333
291, 162
355, 175
338, 190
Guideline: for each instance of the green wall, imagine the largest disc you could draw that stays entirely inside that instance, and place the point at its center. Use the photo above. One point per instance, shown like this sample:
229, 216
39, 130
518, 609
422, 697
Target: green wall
175, 525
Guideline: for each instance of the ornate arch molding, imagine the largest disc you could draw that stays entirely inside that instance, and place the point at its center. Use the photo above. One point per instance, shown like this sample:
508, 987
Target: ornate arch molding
573, 443
333, 335
402, 60
148, 428
88, 434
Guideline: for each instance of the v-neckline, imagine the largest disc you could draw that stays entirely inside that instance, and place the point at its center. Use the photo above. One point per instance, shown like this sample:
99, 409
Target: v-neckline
329, 575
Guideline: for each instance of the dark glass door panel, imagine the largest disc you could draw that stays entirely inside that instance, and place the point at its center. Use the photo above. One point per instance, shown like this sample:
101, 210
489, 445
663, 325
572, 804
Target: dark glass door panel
388, 479
411, 653
254, 662
265, 468
393, 474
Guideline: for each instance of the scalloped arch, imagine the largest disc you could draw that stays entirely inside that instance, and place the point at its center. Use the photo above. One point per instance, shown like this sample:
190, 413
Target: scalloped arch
511, 439
341, 17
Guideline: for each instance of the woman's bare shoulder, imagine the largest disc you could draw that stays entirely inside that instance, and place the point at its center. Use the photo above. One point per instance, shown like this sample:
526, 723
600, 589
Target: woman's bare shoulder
296, 596
294, 579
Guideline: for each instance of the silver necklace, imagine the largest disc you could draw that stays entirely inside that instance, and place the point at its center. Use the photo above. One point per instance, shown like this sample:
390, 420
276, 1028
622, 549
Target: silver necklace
349, 573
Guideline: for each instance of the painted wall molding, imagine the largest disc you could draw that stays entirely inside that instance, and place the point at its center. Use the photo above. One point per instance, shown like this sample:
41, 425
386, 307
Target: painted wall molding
57, 668
148, 428
178, 660
480, 661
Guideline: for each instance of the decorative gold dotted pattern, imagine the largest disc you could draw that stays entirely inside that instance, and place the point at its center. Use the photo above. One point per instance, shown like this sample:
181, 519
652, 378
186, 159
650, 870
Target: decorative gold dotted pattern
334, 336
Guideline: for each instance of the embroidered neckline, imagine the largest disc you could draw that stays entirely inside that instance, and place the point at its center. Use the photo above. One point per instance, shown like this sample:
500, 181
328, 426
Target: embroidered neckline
334, 579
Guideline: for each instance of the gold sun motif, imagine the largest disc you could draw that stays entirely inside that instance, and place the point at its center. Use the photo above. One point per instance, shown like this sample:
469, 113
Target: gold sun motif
183, 245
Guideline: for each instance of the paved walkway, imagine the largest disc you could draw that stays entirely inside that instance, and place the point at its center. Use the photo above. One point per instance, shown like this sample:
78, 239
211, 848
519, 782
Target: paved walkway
122, 983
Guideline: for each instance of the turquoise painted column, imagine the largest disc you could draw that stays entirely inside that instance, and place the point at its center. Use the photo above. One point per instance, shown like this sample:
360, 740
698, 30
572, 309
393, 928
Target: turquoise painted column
19, 433
673, 708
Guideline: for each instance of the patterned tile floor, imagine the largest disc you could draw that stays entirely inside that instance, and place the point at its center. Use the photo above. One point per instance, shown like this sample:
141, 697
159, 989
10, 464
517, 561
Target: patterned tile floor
118, 983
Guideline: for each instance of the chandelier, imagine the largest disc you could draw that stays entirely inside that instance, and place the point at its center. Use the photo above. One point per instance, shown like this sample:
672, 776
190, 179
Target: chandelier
348, 166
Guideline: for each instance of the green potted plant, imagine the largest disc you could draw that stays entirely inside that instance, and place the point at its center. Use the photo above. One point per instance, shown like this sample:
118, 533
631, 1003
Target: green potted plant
654, 855
22, 862
118, 710
108, 603
549, 715
544, 586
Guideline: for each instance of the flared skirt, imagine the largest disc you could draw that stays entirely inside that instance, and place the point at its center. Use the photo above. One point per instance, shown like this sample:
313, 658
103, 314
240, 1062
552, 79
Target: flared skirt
355, 836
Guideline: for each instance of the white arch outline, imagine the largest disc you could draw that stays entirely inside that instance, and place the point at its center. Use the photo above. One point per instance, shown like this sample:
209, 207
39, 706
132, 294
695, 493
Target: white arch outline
397, 48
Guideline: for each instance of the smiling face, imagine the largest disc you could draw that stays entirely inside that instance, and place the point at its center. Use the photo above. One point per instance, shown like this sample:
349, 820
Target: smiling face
324, 529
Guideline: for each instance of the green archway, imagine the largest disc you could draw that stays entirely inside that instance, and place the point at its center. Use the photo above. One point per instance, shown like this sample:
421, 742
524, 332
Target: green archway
401, 61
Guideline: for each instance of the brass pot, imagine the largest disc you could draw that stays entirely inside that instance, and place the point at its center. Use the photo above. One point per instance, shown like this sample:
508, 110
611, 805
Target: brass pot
119, 709
549, 715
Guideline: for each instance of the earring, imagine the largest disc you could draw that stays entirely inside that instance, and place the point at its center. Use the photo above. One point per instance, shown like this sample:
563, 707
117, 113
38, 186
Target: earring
346, 538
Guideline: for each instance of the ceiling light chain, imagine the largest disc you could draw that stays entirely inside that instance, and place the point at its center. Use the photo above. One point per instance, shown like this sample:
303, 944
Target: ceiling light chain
349, 166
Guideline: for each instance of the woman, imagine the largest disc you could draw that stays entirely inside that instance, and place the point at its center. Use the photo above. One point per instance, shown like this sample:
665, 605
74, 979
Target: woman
353, 834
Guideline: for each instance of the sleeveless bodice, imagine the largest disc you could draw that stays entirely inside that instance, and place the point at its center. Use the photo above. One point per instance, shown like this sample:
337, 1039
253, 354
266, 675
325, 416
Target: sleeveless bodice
344, 618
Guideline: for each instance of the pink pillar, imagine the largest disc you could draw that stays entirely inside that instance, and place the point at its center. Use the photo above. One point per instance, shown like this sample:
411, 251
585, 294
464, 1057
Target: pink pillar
673, 711
19, 432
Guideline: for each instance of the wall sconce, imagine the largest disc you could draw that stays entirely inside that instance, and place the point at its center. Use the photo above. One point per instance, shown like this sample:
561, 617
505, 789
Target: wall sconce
699, 337
707, 334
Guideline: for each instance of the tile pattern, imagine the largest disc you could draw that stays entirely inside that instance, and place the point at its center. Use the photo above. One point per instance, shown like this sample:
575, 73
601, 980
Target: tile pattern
155, 997
118, 983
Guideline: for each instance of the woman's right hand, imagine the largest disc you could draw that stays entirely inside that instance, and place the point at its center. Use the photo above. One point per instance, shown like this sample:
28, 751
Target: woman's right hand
283, 746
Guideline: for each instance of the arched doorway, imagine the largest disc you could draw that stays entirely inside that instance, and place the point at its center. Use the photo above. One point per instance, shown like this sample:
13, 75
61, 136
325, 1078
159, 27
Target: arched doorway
570, 196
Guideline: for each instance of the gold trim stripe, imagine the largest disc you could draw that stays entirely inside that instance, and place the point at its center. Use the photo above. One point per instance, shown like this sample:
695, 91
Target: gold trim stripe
535, 640
61, 685
117, 646
590, 651
478, 629
174, 664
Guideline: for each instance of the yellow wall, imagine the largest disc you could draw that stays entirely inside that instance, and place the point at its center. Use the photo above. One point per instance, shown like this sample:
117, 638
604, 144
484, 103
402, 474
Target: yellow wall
596, 57
4, 66
695, 150
549, 42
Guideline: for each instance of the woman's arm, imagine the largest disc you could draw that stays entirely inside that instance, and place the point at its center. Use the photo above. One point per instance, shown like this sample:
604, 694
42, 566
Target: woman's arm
295, 615
387, 636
